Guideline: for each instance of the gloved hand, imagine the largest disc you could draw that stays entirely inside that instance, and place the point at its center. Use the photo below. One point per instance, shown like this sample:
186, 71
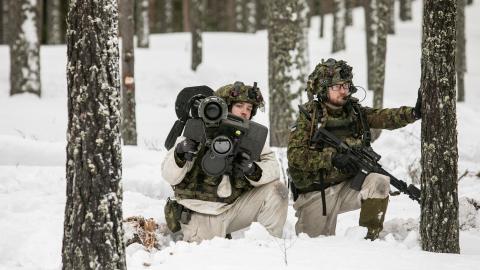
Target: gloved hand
417, 110
245, 164
345, 163
187, 149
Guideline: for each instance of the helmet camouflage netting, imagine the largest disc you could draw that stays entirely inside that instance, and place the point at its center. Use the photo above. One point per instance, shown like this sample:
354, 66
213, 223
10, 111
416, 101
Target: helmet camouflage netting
239, 92
328, 73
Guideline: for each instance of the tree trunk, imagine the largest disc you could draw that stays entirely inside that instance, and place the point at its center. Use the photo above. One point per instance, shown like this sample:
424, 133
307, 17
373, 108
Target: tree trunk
405, 10
391, 17
196, 11
284, 38
349, 5
24, 48
93, 231
439, 225
239, 15
321, 11
55, 32
469, 2
129, 123
250, 16
370, 7
142, 28
460, 57
186, 17
168, 16
261, 15
338, 41
2, 28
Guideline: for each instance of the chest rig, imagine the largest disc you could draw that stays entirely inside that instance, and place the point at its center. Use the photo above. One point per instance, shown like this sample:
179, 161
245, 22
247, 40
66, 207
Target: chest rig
200, 186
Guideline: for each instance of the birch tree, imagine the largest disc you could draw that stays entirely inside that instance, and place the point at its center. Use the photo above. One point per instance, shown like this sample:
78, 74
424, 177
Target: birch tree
129, 122
285, 34
439, 225
93, 230
24, 48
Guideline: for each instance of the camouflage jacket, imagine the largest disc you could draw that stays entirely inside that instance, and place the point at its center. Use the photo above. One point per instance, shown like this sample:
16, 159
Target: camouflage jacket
308, 165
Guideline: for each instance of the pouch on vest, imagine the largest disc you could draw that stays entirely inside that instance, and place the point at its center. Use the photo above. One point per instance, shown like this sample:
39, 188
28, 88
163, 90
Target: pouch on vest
173, 212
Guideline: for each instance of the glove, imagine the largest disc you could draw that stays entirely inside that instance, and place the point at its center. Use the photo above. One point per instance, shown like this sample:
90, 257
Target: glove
245, 164
417, 110
345, 164
187, 149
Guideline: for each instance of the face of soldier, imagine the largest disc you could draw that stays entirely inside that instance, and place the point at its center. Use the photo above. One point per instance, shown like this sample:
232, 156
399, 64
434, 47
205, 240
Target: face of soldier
242, 109
338, 94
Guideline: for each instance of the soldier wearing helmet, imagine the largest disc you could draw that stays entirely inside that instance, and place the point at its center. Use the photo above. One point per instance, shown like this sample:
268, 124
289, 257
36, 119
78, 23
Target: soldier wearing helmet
217, 206
321, 178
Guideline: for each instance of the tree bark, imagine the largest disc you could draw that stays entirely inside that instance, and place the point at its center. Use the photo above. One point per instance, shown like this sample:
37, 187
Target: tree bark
129, 123
321, 11
196, 11
93, 231
168, 16
338, 41
380, 51
370, 8
439, 225
55, 31
2, 28
186, 17
405, 10
284, 37
261, 20
24, 48
460, 57
142, 24
349, 5
391, 17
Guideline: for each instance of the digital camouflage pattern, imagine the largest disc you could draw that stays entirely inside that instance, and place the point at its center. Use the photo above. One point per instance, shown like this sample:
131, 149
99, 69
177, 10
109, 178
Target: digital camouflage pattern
239, 92
307, 164
328, 73
200, 186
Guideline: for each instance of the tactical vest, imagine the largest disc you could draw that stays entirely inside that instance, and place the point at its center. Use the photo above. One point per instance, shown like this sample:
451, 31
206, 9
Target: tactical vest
200, 186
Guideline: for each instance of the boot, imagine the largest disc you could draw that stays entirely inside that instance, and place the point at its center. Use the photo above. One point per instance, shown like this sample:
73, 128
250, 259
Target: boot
372, 214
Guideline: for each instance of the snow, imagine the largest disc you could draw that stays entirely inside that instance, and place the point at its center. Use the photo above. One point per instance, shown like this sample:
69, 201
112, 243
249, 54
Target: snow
33, 140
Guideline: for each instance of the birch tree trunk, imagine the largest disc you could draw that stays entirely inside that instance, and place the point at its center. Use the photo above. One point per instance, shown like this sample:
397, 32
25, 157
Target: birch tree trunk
142, 24
439, 225
338, 41
55, 31
93, 231
284, 38
405, 10
129, 122
24, 48
460, 57
196, 11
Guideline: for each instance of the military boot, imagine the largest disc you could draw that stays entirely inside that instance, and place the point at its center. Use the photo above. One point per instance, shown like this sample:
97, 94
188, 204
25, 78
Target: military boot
372, 214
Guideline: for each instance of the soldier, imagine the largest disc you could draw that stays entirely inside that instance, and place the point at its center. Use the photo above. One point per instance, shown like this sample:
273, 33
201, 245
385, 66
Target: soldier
322, 176
216, 206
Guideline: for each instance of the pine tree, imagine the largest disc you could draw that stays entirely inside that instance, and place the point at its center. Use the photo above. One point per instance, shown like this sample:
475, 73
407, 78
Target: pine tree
439, 225
460, 57
142, 24
129, 122
93, 230
338, 41
285, 35
370, 8
196, 12
55, 17
24, 48
383, 16
391, 17
405, 10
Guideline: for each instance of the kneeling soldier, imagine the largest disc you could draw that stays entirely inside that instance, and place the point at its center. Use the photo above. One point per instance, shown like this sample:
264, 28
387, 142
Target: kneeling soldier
210, 206
321, 175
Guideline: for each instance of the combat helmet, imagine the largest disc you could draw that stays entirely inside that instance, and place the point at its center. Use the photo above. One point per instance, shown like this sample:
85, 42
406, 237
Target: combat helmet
328, 73
239, 92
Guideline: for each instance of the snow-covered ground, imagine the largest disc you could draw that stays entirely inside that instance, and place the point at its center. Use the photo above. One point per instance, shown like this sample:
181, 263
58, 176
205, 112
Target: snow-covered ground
32, 157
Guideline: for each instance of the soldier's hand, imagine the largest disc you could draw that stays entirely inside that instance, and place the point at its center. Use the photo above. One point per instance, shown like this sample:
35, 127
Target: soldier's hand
417, 110
345, 163
245, 164
187, 149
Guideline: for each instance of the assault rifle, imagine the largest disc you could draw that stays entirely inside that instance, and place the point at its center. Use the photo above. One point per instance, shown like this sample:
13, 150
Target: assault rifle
367, 161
